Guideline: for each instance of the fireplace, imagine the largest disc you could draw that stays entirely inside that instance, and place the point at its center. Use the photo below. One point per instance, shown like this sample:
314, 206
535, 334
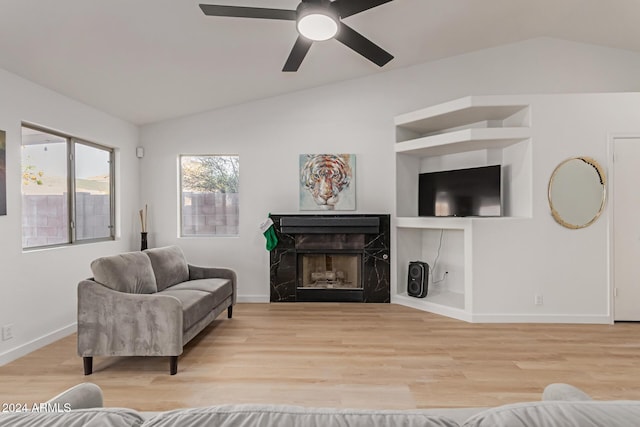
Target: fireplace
341, 258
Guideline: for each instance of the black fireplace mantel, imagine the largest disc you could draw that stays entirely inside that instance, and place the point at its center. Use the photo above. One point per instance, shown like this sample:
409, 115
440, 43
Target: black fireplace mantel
367, 234
330, 224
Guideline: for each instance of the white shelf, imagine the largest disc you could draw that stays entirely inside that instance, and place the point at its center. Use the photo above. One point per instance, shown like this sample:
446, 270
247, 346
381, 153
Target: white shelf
463, 141
446, 223
459, 112
450, 223
448, 304
446, 298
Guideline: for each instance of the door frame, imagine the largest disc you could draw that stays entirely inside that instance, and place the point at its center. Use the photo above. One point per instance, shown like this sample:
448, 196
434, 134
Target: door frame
612, 138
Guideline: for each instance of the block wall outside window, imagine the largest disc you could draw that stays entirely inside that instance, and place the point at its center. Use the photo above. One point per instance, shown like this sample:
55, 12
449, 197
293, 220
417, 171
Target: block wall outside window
209, 195
67, 190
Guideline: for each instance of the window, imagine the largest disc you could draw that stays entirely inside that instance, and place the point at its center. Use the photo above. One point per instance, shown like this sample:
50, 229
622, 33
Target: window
67, 190
209, 195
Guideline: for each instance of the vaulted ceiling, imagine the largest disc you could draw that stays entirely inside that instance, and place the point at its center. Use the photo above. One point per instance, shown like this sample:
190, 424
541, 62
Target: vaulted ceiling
151, 60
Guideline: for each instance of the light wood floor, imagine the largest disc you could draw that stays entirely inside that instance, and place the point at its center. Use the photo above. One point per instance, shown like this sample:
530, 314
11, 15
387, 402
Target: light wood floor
348, 355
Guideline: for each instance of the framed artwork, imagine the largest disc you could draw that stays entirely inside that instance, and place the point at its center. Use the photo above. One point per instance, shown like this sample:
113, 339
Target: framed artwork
328, 182
3, 173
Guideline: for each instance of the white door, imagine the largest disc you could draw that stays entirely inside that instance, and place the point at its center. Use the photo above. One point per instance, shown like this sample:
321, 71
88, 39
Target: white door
626, 228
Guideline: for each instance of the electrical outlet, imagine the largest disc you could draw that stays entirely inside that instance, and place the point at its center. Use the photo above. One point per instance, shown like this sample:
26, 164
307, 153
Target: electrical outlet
7, 332
538, 300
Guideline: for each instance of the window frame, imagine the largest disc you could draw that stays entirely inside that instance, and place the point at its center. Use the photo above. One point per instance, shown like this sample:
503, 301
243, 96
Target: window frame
181, 233
71, 219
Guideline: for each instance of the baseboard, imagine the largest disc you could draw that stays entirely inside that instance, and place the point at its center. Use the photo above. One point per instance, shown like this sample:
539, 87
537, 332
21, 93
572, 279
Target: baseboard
455, 313
24, 349
253, 298
542, 318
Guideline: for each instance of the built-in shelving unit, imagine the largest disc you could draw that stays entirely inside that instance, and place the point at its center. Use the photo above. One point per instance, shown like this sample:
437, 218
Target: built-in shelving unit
467, 132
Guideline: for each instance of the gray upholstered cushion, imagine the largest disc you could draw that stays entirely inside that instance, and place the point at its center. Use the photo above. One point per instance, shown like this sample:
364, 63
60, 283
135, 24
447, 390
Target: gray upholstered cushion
81, 396
221, 288
169, 266
293, 416
561, 391
99, 417
195, 304
129, 272
560, 413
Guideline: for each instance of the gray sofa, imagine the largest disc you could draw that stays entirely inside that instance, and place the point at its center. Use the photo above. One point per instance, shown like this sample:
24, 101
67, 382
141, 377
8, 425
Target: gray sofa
562, 405
149, 303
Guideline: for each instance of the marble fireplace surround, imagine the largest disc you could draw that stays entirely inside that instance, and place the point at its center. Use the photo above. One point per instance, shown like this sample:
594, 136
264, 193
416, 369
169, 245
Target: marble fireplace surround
366, 235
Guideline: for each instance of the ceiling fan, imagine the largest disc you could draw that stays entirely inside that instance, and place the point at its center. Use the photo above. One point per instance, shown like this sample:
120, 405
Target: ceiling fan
317, 20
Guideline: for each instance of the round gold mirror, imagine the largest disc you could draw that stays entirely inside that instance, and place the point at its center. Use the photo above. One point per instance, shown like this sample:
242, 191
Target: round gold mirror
577, 192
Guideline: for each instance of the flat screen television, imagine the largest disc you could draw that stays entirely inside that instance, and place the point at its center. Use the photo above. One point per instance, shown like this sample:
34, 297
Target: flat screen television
462, 192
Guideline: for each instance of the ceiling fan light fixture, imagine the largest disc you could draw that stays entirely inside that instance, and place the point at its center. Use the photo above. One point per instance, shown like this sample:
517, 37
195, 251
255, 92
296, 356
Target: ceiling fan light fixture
317, 24
316, 20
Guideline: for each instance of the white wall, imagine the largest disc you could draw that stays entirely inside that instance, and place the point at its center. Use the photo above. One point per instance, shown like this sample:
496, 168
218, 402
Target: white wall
38, 288
351, 117
516, 259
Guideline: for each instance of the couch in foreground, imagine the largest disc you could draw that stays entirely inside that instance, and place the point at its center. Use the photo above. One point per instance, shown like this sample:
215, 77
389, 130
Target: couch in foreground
149, 303
562, 405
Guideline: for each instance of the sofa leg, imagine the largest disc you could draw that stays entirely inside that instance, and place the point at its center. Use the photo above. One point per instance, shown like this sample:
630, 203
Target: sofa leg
230, 312
88, 365
173, 365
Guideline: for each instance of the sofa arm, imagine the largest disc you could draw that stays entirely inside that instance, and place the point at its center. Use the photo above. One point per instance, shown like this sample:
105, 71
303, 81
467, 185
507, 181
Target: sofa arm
196, 273
560, 391
112, 323
81, 396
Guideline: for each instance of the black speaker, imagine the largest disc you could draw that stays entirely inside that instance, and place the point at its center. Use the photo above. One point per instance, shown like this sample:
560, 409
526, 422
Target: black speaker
418, 281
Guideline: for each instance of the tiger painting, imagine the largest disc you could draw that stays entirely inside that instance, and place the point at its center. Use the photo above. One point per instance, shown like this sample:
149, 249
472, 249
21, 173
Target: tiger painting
325, 178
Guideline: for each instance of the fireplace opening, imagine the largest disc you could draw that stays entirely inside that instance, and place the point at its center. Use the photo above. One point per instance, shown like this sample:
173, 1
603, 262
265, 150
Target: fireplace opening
330, 271
330, 276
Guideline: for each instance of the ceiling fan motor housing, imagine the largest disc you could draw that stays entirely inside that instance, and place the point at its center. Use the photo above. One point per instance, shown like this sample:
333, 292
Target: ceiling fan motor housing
317, 20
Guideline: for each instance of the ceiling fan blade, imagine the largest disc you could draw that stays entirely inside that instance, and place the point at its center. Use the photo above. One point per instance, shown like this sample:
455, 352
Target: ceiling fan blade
248, 12
365, 47
298, 52
351, 7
